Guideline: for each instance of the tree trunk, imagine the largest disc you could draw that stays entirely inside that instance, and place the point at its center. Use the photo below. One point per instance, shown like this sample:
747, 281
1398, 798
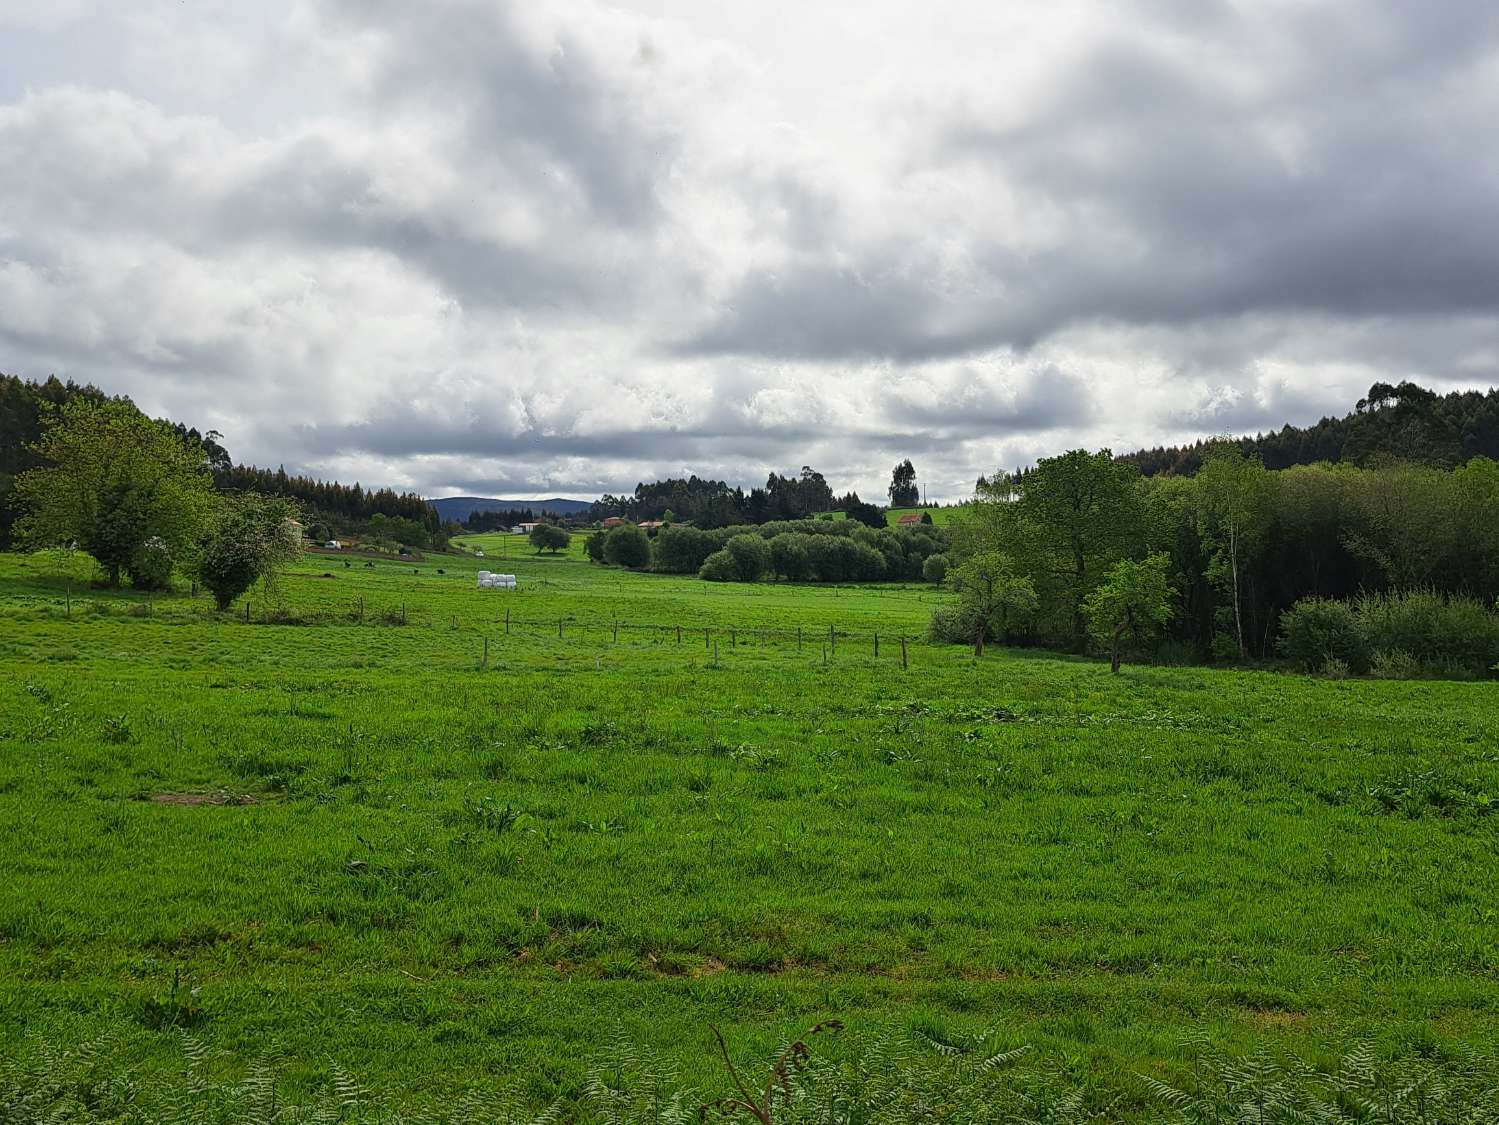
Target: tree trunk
978, 639
1233, 558
1114, 650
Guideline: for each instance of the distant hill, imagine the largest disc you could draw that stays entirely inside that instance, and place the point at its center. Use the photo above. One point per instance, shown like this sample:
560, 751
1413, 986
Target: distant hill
459, 507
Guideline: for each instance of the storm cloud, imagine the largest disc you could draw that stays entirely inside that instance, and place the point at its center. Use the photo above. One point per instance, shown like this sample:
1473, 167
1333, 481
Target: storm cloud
485, 246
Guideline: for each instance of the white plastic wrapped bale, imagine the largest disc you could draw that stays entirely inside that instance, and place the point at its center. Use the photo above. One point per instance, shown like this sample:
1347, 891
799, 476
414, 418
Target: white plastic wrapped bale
488, 581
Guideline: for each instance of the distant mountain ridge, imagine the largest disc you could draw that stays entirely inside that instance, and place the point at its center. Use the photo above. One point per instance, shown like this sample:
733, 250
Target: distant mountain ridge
460, 507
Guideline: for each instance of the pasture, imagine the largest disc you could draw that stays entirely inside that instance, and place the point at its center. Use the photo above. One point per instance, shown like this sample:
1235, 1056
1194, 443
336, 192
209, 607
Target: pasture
363, 839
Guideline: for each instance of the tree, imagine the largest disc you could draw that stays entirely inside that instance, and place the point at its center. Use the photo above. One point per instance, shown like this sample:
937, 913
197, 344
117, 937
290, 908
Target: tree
870, 515
992, 594
1233, 510
903, 491
719, 567
789, 557
248, 539
1078, 514
593, 547
549, 537
751, 556
627, 545
111, 481
934, 569
1134, 598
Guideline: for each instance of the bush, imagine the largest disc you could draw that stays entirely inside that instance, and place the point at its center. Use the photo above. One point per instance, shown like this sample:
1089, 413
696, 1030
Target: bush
151, 565
1435, 632
682, 550
1396, 664
593, 547
789, 557
751, 555
1317, 630
953, 625
719, 567
934, 570
627, 546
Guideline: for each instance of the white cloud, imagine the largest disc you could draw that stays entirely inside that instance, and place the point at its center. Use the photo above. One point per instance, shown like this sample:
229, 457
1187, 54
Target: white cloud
563, 245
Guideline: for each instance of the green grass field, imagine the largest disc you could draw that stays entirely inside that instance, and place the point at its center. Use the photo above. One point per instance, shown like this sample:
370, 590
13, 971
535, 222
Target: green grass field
363, 845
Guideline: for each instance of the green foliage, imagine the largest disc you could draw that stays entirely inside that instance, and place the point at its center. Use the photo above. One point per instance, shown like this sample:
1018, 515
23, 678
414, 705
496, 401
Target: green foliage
993, 597
1316, 630
903, 491
549, 537
151, 566
682, 550
249, 539
934, 569
627, 546
111, 480
593, 546
1134, 600
751, 555
789, 557
719, 567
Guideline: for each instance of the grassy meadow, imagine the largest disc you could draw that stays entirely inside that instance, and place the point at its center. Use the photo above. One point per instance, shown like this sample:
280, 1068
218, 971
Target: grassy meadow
362, 842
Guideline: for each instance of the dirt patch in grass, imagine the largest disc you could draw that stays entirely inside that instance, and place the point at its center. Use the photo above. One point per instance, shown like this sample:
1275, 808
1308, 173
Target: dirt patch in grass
188, 800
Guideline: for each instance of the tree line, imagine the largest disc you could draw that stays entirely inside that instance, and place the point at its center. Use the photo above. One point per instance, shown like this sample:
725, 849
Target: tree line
1231, 549
821, 550
328, 507
1404, 421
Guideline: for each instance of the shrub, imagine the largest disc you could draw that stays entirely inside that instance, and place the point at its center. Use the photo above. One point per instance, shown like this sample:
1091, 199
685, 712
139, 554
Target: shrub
682, 550
1395, 664
953, 625
593, 547
751, 555
151, 565
789, 557
1430, 629
934, 570
1316, 630
627, 546
719, 567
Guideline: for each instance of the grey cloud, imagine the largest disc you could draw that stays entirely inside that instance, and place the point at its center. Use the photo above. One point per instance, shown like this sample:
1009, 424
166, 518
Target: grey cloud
1185, 193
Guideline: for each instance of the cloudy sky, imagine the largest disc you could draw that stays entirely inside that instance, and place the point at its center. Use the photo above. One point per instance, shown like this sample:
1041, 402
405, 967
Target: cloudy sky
557, 247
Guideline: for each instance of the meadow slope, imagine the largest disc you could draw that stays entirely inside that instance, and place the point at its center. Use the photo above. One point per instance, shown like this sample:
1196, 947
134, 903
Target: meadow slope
364, 844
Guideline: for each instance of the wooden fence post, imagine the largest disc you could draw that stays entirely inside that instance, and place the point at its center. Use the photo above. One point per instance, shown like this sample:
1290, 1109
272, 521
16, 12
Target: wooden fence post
733, 639
679, 634
616, 630
876, 646
833, 639
798, 638
559, 628
903, 653
507, 621
485, 662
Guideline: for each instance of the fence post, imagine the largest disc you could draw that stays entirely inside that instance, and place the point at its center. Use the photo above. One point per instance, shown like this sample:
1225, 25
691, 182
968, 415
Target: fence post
705, 639
733, 639
507, 621
247, 611
485, 662
616, 630
833, 639
798, 638
559, 628
903, 664
679, 634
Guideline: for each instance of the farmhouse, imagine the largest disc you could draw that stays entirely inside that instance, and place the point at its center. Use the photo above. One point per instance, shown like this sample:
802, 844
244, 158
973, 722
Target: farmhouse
909, 520
615, 521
